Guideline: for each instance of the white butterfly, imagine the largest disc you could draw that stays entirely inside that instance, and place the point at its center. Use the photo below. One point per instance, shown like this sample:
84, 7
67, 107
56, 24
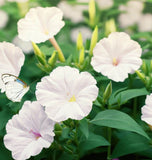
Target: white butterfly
15, 88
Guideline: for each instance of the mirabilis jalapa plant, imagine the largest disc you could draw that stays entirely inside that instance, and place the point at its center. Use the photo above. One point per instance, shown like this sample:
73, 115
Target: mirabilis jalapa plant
86, 102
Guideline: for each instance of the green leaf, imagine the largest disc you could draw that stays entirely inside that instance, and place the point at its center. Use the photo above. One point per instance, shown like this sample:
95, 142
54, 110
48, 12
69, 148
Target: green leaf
92, 142
84, 127
5, 115
118, 120
132, 143
126, 95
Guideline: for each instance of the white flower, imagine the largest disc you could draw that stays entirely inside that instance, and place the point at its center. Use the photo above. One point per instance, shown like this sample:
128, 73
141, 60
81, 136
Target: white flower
4, 19
116, 56
145, 23
73, 12
2, 2
129, 19
19, 1
132, 6
24, 45
147, 110
11, 61
40, 24
29, 131
104, 4
132, 15
86, 33
66, 93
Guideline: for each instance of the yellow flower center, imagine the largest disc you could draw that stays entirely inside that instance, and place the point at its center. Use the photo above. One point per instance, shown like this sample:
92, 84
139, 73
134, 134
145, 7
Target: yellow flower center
46, 32
115, 62
72, 99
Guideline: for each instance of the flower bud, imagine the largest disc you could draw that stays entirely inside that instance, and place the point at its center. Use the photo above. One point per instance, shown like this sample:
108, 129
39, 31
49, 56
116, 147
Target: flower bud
144, 68
79, 41
52, 60
92, 12
141, 76
81, 56
39, 54
94, 40
107, 92
110, 27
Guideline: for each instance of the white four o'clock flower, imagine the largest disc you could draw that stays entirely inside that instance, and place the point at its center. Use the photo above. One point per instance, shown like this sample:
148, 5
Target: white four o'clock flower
20, 1
132, 15
66, 93
40, 24
73, 12
11, 61
4, 19
145, 23
2, 2
147, 110
105, 4
24, 45
29, 131
116, 56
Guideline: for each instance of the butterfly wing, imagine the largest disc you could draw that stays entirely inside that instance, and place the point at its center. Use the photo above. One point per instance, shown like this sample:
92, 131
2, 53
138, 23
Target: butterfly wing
15, 88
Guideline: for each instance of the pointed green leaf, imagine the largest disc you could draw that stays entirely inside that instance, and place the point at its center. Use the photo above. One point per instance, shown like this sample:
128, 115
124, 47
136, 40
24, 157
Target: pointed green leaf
118, 120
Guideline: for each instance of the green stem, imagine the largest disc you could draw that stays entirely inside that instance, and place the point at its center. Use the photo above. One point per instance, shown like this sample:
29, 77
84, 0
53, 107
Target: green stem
109, 147
77, 142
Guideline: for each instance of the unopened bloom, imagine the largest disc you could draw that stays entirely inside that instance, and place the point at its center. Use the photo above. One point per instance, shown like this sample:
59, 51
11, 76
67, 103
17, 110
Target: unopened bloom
4, 19
11, 61
116, 56
29, 131
24, 45
40, 24
147, 110
66, 93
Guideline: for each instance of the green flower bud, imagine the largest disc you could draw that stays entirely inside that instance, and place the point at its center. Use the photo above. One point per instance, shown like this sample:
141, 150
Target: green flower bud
110, 27
94, 40
52, 60
107, 92
79, 41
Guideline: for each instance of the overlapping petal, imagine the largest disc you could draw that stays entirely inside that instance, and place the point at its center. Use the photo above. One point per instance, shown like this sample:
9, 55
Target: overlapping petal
40, 24
29, 131
116, 56
66, 93
11, 61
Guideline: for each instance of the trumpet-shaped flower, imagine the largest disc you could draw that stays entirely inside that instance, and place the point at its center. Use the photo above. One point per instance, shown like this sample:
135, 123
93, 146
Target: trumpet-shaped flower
147, 110
145, 25
73, 12
40, 24
29, 131
105, 4
4, 19
11, 61
116, 56
19, 1
24, 45
66, 93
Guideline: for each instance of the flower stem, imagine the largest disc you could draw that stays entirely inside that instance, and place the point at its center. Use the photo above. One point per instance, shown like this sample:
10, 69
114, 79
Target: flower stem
57, 47
109, 147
